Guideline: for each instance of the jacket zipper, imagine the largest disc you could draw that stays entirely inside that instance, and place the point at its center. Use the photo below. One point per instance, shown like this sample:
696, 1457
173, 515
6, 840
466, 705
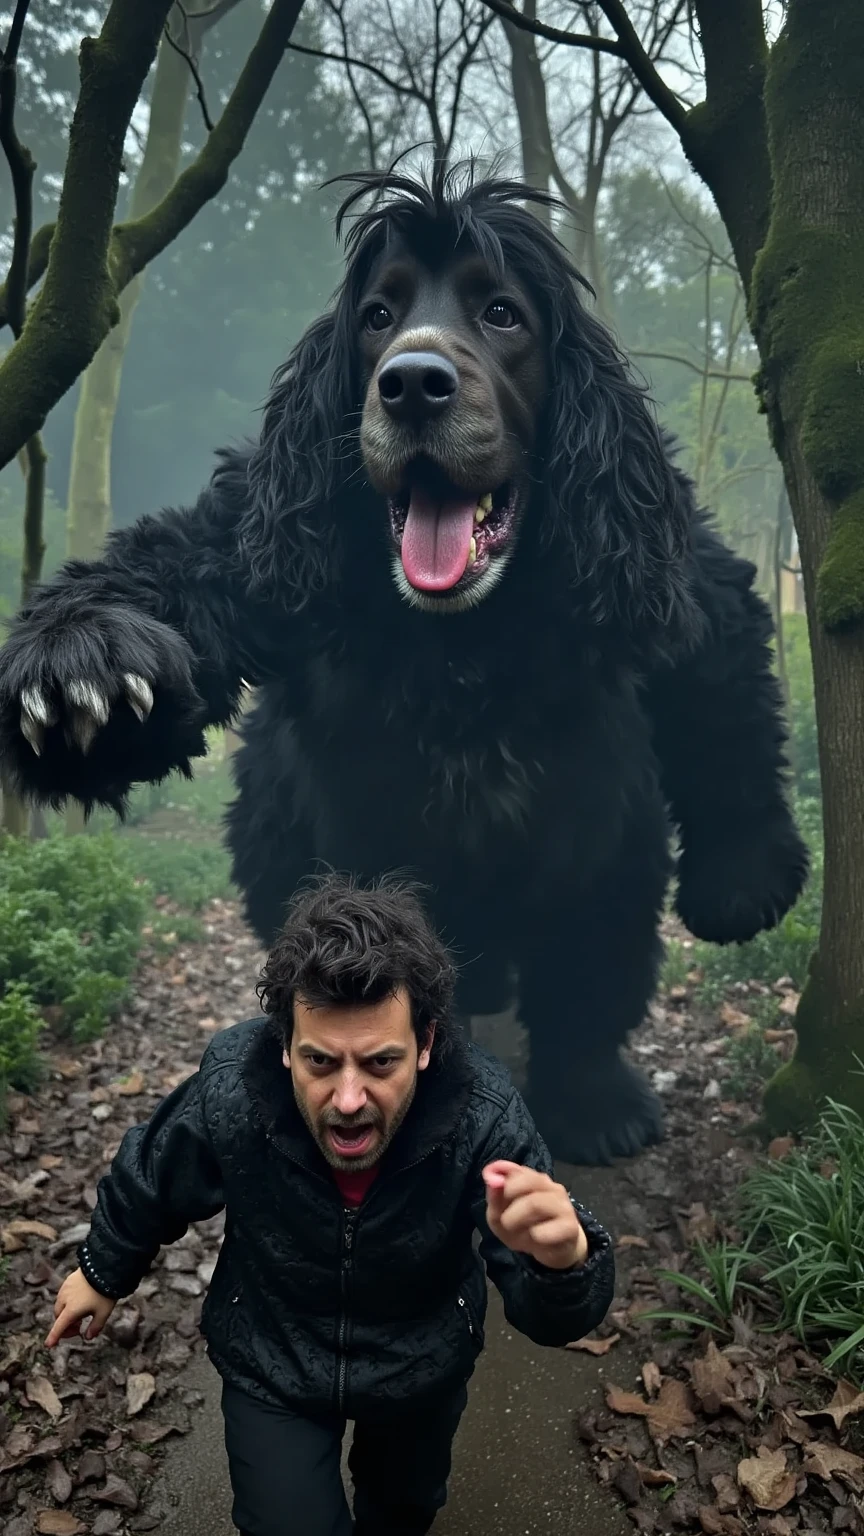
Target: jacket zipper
346, 1265
467, 1310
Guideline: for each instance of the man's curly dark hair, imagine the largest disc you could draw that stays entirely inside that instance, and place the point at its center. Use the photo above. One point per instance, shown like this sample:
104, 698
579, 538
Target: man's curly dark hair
348, 943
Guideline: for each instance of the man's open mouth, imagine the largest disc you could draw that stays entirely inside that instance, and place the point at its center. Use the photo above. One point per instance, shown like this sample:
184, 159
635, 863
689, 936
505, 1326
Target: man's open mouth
450, 540
351, 1140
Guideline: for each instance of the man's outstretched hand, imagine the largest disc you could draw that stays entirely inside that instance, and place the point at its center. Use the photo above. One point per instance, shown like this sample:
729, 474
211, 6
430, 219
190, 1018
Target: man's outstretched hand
76, 1299
530, 1213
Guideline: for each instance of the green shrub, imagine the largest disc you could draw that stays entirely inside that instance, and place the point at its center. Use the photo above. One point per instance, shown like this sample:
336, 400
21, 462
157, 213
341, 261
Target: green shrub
71, 911
20, 1025
191, 874
803, 1260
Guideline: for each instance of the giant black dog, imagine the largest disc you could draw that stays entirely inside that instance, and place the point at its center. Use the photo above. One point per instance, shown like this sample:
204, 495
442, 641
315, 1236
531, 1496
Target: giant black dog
493, 637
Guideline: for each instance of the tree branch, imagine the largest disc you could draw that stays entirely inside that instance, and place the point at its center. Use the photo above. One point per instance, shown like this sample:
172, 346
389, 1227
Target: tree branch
687, 362
653, 85
508, 12
397, 86
77, 305
90, 262
196, 76
21, 168
136, 244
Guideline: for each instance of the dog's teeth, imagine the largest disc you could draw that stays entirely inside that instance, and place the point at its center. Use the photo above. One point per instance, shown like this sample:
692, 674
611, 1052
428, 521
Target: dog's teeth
472, 551
479, 515
485, 502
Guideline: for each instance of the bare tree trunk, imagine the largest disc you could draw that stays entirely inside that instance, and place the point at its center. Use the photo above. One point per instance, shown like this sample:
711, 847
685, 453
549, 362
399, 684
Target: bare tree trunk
529, 97
89, 500
89, 510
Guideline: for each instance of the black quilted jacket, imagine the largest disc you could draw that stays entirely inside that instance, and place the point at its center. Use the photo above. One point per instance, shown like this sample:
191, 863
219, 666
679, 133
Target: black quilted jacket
313, 1306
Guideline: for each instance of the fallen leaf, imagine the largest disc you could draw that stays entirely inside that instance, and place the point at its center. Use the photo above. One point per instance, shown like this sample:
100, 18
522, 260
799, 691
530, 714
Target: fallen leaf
129, 1086
40, 1391
669, 1417
58, 1522
148, 1432
59, 1482
767, 1479
715, 1524
651, 1378
847, 1400
140, 1388
630, 1240
713, 1380
734, 1018
700, 1225
778, 1036
21, 1227
727, 1493
655, 1477
789, 1004
827, 1461
595, 1346
116, 1492
780, 1147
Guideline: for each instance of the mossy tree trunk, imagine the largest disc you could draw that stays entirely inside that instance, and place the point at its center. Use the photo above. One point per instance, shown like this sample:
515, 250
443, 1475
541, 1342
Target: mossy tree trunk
89, 500
807, 309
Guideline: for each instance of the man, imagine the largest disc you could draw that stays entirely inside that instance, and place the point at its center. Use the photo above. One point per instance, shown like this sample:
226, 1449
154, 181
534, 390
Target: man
347, 1285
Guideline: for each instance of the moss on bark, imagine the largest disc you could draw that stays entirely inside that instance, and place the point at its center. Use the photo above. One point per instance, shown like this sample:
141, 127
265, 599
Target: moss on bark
827, 1063
807, 301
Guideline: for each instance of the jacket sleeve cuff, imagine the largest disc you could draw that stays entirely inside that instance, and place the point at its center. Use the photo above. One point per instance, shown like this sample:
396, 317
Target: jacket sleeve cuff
92, 1274
599, 1253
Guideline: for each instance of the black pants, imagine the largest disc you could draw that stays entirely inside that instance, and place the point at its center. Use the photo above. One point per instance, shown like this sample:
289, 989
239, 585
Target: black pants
285, 1469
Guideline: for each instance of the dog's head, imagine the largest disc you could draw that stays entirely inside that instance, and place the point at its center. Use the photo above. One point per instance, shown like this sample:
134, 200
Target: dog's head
491, 412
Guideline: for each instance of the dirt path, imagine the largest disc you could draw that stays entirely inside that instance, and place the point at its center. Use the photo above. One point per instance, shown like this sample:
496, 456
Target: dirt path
124, 1436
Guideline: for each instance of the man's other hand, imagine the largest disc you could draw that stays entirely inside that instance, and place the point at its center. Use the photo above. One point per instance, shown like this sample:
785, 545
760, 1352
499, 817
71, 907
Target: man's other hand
530, 1213
76, 1299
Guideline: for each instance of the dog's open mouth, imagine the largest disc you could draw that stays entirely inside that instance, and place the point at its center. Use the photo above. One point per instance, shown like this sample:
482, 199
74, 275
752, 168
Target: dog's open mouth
450, 540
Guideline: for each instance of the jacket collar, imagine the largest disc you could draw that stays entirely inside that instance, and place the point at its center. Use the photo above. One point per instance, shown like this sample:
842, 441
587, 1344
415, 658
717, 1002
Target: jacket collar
439, 1103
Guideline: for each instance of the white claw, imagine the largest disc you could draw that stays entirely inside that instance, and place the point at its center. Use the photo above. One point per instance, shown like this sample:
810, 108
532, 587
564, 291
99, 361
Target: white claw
36, 715
87, 699
34, 703
139, 693
32, 731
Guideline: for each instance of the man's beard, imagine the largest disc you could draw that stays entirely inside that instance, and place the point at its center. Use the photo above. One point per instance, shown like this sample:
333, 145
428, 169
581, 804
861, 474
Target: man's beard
330, 1118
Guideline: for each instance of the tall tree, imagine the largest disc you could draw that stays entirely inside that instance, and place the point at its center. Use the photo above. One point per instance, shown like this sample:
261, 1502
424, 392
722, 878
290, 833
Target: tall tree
777, 140
89, 502
86, 259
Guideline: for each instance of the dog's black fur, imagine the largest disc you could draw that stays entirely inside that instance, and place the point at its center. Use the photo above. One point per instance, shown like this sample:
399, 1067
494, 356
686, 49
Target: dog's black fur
523, 754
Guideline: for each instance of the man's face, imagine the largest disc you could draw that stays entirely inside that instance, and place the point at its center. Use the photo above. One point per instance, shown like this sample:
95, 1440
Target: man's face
354, 1072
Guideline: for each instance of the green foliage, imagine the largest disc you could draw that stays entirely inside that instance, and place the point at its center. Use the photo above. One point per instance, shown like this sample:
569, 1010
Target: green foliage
804, 744
71, 911
750, 1060
20, 1026
718, 1297
806, 1212
190, 874
804, 1259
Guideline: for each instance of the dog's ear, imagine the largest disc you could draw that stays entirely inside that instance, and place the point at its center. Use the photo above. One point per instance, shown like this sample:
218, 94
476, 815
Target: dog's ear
616, 497
297, 465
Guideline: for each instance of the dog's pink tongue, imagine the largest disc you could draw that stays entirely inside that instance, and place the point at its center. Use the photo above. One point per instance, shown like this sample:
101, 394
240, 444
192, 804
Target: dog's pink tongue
436, 541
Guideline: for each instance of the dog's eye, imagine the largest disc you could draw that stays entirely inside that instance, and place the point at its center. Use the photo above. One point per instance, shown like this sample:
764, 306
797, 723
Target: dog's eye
378, 317
502, 315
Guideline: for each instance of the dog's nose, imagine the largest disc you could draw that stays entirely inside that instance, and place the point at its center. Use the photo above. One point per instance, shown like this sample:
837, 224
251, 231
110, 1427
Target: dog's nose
415, 386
